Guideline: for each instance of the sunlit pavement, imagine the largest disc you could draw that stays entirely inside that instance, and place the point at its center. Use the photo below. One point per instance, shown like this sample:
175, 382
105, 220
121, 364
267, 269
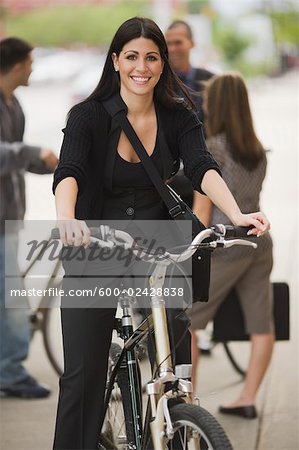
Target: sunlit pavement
30, 424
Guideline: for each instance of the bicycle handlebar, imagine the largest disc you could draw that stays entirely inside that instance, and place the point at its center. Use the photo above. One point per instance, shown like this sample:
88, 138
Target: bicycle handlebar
105, 236
231, 231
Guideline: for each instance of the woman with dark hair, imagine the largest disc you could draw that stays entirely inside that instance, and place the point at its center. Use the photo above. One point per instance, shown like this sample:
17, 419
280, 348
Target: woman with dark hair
100, 177
242, 159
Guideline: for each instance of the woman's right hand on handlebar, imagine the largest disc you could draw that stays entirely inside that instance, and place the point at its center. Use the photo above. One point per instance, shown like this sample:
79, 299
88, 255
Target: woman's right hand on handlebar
73, 232
259, 222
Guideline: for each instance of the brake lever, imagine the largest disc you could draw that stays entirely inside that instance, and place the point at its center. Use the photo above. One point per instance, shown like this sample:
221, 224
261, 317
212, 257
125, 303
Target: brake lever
231, 242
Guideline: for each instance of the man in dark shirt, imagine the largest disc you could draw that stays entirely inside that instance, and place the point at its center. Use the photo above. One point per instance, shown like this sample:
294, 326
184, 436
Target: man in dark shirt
179, 38
16, 158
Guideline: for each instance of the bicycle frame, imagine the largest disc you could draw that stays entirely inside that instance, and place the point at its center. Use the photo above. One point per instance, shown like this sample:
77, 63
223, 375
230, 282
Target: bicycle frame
131, 339
158, 399
168, 384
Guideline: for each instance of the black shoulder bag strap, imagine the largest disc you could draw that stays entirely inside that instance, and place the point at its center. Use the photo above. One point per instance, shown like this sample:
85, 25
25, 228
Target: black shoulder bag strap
165, 192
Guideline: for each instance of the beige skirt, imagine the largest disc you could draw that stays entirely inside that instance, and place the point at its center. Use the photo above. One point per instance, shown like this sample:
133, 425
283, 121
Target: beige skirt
250, 276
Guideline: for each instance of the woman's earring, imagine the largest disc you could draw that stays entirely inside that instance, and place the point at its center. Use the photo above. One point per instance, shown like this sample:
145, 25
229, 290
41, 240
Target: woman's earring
116, 69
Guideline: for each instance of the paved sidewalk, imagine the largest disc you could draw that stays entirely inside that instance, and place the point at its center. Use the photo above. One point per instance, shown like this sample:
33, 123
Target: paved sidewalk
29, 425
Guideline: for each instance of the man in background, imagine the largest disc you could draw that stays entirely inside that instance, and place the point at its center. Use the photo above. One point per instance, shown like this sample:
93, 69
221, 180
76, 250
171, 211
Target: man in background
179, 38
16, 158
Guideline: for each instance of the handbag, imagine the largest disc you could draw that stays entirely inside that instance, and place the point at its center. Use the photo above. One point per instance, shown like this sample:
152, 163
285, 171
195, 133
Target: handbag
183, 186
229, 320
177, 208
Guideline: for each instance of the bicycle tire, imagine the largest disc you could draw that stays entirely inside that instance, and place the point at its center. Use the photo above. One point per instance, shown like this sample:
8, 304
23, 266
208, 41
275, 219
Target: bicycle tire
118, 429
196, 428
52, 337
232, 359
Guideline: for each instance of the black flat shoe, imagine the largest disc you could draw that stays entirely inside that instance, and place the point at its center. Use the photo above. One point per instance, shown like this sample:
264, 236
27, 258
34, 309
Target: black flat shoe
249, 412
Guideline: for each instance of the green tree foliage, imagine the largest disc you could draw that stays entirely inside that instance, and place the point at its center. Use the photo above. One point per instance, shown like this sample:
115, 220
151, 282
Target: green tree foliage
65, 25
231, 42
286, 26
197, 6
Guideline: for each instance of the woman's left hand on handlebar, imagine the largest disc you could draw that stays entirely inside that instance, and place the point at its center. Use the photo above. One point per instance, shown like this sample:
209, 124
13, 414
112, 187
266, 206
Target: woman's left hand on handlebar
258, 220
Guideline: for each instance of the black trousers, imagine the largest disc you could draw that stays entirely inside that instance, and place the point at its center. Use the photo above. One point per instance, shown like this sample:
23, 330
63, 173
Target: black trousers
86, 338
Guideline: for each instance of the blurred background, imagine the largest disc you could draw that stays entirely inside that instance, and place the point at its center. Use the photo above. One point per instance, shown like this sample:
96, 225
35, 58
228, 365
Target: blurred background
260, 38
254, 36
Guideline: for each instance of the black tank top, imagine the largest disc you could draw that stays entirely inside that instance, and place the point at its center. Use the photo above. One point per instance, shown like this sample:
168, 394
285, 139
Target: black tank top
133, 195
127, 174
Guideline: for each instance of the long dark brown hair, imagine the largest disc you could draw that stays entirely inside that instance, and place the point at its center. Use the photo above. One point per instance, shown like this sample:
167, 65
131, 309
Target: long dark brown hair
229, 113
169, 86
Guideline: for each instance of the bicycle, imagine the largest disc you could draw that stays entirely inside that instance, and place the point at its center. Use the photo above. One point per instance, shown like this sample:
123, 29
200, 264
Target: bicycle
173, 419
45, 317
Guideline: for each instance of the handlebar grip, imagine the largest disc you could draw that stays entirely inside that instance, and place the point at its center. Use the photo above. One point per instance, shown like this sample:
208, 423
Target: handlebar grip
237, 232
94, 232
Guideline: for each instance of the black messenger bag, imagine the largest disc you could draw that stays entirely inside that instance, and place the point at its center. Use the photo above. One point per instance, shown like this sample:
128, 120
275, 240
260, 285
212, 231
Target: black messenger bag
229, 321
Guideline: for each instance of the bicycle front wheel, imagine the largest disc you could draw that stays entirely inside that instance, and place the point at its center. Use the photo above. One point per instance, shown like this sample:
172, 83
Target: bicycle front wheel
196, 429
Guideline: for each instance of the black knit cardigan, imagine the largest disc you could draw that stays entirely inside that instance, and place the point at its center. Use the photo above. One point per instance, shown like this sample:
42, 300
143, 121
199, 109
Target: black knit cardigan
85, 143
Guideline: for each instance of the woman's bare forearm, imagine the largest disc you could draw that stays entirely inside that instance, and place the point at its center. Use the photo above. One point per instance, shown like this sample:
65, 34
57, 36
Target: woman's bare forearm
202, 207
65, 198
72, 231
216, 189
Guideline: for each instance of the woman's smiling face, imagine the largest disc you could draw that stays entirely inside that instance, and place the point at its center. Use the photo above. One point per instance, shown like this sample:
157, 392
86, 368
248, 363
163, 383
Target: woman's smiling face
140, 66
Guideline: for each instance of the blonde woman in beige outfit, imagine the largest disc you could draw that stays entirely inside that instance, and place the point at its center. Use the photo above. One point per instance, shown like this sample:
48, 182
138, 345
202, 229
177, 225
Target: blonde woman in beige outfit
242, 159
